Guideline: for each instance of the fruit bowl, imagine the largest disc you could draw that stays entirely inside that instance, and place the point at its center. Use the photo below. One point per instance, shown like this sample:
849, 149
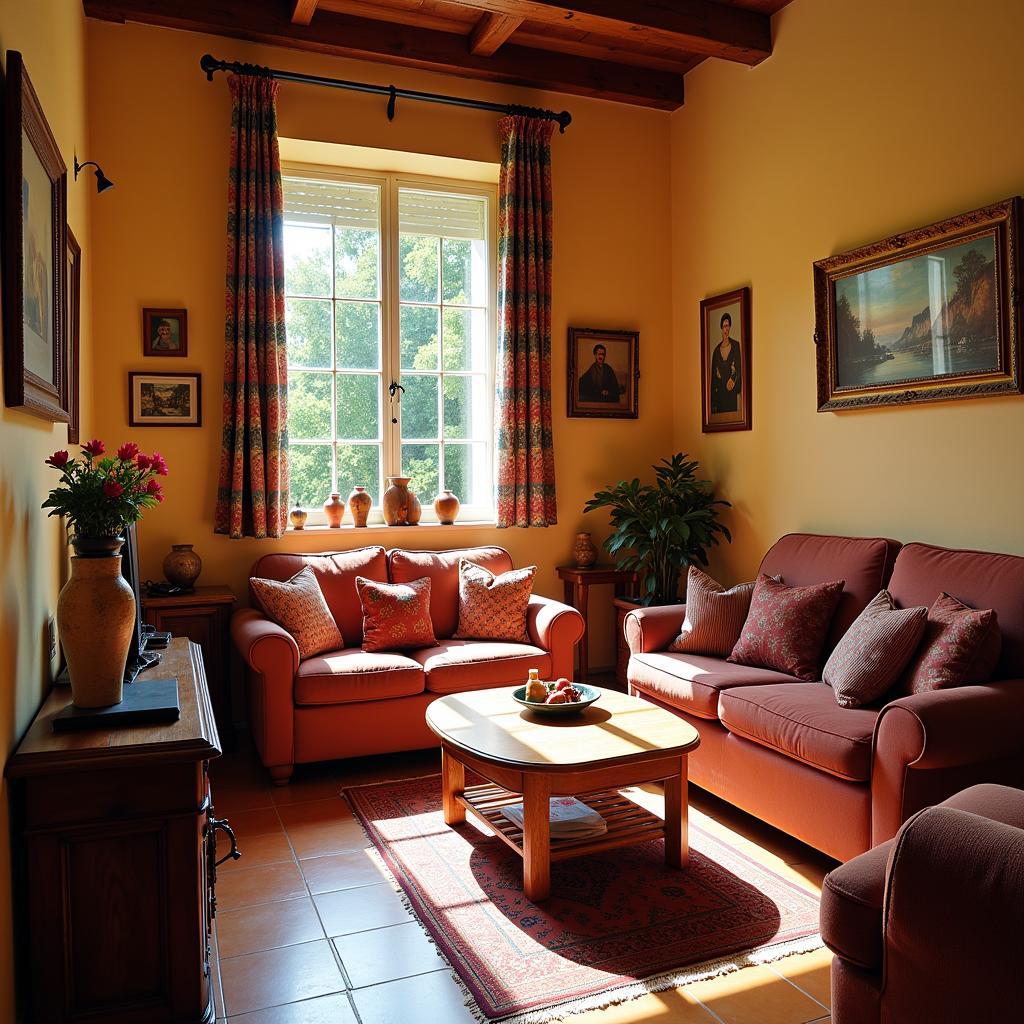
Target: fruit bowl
590, 694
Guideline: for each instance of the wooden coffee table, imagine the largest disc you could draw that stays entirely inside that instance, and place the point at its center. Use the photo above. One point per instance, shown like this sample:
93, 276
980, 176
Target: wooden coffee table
619, 741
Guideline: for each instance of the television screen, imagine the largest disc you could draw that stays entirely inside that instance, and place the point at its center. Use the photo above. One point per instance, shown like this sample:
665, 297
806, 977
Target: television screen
130, 571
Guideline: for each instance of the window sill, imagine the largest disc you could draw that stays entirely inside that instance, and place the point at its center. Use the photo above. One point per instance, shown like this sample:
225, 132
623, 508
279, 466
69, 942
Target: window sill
398, 531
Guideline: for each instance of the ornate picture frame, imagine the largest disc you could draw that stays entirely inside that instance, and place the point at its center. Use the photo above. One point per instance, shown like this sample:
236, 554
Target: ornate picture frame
164, 332
725, 329
604, 373
925, 316
165, 399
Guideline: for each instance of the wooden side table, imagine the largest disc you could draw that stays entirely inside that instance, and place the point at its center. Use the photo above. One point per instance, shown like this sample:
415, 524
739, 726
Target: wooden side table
204, 617
577, 584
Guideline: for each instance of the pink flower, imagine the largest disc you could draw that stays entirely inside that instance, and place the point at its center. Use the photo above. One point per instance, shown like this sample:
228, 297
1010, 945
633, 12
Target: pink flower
112, 489
158, 463
58, 459
153, 487
128, 451
95, 447
144, 462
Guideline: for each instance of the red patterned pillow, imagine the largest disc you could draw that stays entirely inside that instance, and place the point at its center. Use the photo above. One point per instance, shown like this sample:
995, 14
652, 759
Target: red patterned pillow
786, 627
874, 651
961, 647
298, 606
493, 607
396, 616
714, 615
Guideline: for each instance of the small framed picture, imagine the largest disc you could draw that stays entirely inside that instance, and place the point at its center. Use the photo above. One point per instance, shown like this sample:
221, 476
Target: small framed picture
604, 373
725, 361
165, 332
164, 400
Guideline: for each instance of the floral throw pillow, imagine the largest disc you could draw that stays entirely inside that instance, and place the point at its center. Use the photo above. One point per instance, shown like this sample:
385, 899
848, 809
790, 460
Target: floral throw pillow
298, 606
961, 647
786, 627
714, 615
874, 651
396, 616
493, 607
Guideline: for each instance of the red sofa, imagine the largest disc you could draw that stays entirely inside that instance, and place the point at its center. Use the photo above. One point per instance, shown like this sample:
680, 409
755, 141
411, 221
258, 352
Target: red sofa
349, 703
844, 780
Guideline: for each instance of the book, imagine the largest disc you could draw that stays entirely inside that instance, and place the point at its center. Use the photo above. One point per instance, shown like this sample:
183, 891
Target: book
570, 818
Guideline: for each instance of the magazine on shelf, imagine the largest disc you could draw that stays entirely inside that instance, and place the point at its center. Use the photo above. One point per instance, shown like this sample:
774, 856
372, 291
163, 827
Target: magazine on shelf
570, 818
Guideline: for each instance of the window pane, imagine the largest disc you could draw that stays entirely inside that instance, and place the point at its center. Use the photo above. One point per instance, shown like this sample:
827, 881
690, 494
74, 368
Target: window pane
307, 260
421, 462
309, 472
464, 409
464, 339
357, 326
418, 270
358, 406
419, 331
309, 406
463, 272
356, 264
465, 472
359, 465
308, 326
419, 407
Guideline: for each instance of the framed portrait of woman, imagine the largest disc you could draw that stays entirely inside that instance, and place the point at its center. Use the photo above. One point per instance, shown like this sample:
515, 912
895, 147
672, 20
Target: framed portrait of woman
725, 361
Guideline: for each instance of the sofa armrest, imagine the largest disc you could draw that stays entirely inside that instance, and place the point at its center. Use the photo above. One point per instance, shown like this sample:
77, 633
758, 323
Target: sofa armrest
947, 733
653, 629
556, 628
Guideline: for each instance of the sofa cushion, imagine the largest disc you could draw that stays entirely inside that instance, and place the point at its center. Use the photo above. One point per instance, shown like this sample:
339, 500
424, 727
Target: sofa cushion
336, 572
457, 665
298, 606
341, 677
442, 569
693, 682
803, 721
396, 616
714, 616
980, 579
864, 563
493, 607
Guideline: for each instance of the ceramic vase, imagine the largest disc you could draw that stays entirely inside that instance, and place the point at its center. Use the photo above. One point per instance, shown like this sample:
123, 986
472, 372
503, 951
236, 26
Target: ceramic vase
359, 504
334, 509
446, 505
182, 566
415, 510
583, 551
399, 505
297, 517
95, 618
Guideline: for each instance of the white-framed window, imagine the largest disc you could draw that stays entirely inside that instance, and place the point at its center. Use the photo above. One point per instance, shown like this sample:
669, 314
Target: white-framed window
390, 286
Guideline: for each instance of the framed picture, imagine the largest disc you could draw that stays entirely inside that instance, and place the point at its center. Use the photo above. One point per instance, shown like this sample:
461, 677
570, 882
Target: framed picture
35, 254
923, 316
725, 362
164, 400
73, 321
165, 332
604, 373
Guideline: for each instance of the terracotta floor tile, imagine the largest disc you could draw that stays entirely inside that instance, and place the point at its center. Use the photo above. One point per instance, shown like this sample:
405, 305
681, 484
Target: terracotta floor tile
357, 910
311, 782
323, 840
218, 992
436, 997
754, 996
276, 976
342, 871
315, 812
671, 1007
256, 851
383, 767
810, 972
267, 926
246, 888
323, 1010
387, 954
260, 821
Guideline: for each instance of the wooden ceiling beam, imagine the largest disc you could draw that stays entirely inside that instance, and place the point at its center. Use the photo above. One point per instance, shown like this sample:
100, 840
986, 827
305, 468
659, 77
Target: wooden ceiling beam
303, 11
491, 31
701, 26
267, 21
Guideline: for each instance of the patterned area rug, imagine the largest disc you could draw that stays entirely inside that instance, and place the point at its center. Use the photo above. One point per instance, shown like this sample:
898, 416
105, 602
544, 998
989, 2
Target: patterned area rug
618, 923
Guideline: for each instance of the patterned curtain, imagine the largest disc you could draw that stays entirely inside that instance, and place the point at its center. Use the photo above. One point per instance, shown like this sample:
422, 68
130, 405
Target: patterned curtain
252, 496
526, 458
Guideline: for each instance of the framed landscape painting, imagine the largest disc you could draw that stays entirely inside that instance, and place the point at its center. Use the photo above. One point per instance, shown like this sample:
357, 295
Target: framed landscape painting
164, 400
604, 373
928, 315
725, 362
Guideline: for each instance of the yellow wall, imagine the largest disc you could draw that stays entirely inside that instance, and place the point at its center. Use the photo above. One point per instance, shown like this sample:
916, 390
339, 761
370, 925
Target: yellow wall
51, 37
162, 132
870, 118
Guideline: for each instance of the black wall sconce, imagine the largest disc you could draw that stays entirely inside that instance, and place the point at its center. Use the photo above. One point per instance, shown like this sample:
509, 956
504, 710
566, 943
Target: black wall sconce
102, 181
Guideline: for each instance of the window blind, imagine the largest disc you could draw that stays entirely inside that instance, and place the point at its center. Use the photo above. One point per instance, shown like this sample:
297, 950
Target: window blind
323, 201
435, 213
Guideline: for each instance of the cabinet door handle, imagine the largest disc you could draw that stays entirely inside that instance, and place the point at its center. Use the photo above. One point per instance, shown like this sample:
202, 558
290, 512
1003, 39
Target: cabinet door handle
233, 853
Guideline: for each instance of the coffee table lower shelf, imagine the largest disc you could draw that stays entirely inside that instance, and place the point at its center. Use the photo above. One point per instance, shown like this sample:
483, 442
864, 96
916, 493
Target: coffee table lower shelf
628, 822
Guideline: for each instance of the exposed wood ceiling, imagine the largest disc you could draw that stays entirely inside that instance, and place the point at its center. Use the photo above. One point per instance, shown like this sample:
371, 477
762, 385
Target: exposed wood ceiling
634, 51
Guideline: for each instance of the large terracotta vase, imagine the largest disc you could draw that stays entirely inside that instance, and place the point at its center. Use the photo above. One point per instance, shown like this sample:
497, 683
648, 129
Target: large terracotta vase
399, 505
359, 504
446, 505
182, 566
96, 617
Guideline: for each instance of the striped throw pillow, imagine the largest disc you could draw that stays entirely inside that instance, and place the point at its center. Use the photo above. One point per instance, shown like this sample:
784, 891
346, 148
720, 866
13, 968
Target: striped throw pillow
874, 651
714, 615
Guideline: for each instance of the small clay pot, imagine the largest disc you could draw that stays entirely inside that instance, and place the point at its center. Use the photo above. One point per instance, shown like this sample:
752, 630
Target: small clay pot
583, 551
447, 505
359, 504
334, 509
298, 517
182, 566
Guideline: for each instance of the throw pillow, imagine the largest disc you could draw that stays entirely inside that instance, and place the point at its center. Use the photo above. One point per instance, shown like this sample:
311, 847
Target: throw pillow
961, 647
786, 627
493, 607
874, 651
396, 616
714, 615
298, 606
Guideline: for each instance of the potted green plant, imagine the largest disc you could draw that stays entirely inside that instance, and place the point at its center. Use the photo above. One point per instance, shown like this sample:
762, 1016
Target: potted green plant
660, 529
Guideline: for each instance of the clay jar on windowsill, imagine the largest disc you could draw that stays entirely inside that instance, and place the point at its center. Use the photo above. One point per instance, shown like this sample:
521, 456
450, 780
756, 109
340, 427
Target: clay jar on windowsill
446, 505
399, 505
334, 510
359, 504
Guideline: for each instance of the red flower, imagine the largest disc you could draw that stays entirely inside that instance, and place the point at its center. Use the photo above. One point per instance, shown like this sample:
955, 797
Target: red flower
128, 451
144, 462
95, 447
112, 489
153, 487
158, 464
58, 460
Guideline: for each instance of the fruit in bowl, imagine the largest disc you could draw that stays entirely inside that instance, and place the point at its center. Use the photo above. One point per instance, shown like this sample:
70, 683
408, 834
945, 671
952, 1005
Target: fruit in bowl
558, 695
536, 690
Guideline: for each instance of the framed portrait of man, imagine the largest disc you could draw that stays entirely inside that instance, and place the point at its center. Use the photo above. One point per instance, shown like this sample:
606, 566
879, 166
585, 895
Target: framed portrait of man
604, 373
725, 362
165, 332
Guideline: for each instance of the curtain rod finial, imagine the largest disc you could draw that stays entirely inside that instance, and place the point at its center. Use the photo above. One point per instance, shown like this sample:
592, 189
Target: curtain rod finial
209, 64
564, 119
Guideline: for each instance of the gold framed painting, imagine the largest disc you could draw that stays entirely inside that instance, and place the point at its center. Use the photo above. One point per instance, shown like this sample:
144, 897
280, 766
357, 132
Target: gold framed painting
604, 373
725, 362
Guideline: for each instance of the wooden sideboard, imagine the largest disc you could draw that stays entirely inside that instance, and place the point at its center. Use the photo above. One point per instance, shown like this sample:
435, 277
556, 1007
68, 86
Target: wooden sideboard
119, 850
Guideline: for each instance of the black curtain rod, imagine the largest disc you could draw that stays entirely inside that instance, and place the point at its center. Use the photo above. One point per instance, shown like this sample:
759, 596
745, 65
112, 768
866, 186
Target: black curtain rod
210, 64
